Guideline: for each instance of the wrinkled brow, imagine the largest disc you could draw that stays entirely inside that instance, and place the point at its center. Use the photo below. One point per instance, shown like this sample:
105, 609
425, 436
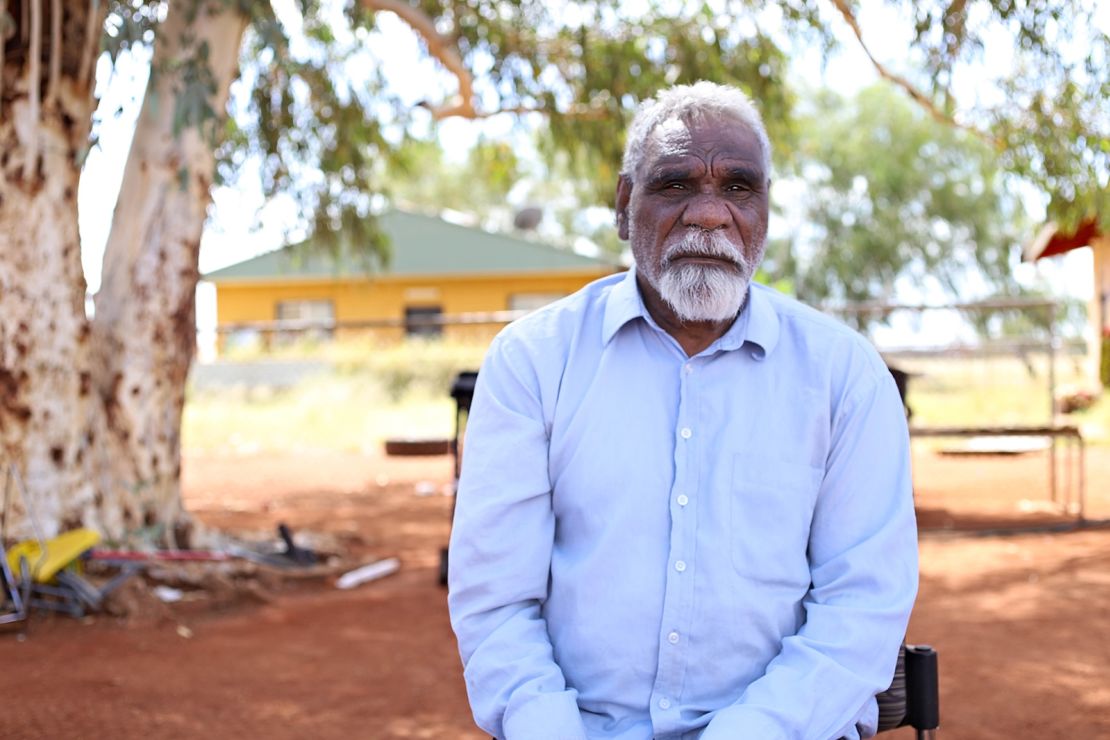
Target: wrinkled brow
670, 173
747, 175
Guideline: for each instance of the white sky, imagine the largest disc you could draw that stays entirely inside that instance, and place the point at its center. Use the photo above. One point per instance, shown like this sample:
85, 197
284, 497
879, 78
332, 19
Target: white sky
231, 236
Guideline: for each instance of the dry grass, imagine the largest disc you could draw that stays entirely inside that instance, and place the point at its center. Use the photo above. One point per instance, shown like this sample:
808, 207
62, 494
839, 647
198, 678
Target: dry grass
377, 391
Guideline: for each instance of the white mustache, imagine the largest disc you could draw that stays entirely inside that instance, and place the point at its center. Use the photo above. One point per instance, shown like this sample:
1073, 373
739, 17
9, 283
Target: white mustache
704, 243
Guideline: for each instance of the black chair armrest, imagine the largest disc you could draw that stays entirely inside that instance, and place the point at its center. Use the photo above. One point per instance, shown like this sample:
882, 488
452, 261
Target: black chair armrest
913, 697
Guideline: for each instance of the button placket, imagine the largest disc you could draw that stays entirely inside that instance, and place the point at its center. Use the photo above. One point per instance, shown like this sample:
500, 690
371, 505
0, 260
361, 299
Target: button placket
672, 656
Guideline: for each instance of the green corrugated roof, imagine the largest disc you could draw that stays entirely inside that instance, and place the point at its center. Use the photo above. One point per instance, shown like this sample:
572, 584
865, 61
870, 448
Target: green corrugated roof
420, 245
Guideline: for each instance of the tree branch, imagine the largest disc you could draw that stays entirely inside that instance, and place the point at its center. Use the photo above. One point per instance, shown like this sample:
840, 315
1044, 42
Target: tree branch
955, 20
443, 49
93, 23
34, 78
580, 112
55, 73
3, 44
440, 48
917, 95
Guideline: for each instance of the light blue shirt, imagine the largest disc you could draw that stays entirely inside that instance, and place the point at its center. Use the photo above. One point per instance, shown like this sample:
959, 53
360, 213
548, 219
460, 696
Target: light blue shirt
647, 545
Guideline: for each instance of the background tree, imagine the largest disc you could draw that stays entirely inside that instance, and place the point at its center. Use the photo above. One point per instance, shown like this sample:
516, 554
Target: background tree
891, 196
421, 176
1050, 81
47, 418
144, 327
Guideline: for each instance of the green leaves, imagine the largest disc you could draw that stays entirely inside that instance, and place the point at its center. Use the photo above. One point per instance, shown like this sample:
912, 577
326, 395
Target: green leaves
325, 126
893, 195
1051, 123
317, 131
195, 87
129, 24
1055, 132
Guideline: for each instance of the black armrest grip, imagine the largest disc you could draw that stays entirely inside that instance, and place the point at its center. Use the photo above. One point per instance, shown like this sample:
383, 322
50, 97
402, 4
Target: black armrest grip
922, 688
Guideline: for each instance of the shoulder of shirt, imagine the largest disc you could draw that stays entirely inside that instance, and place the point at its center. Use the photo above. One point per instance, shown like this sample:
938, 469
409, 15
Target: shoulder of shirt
562, 318
795, 316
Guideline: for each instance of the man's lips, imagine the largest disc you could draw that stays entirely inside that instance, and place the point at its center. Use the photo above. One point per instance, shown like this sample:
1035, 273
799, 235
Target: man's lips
704, 259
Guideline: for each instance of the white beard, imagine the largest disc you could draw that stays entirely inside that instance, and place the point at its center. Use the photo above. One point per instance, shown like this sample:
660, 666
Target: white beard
703, 292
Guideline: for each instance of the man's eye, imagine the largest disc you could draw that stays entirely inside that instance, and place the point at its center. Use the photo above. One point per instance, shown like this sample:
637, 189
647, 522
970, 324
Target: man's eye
674, 185
737, 188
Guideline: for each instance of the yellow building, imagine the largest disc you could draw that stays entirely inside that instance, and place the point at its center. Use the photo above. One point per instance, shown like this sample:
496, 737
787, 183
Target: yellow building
442, 278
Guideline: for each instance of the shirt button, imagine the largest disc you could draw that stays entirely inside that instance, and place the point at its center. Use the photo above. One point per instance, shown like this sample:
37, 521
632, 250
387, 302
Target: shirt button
680, 565
686, 433
673, 638
688, 368
664, 703
682, 499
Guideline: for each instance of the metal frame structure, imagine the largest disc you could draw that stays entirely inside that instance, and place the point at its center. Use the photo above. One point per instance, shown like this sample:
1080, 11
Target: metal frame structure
1071, 502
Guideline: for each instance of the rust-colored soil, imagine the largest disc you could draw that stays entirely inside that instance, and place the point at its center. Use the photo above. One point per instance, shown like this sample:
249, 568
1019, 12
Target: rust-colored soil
1020, 621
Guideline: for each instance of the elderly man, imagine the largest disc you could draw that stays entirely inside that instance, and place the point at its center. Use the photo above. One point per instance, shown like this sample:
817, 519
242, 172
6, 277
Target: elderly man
685, 507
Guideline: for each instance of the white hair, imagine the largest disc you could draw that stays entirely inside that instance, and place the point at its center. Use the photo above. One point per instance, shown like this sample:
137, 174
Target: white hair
691, 102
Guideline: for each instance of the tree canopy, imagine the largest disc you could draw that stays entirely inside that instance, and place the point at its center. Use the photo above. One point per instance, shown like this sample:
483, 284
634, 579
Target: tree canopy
892, 195
1043, 78
327, 126
334, 138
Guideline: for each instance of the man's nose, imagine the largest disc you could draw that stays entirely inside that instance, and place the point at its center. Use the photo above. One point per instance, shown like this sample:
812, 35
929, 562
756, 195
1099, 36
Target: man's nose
706, 211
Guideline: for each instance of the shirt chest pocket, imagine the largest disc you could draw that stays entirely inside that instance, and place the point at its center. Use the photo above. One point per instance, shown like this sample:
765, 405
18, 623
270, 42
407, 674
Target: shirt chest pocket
772, 507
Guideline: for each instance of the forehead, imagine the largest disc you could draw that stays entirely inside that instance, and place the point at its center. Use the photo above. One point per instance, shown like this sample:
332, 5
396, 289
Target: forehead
713, 137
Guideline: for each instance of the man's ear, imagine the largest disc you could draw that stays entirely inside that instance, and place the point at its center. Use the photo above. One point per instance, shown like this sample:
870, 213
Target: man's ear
624, 194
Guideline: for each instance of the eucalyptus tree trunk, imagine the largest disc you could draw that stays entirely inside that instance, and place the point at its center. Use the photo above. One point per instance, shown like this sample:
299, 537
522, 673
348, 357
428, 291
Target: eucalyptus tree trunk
144, 329
47, 415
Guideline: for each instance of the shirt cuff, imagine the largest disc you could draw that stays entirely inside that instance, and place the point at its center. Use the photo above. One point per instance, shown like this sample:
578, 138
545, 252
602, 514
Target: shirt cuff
547, 716
739, 721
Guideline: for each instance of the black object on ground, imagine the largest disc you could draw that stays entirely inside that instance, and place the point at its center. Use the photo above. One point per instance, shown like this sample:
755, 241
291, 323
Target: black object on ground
298, 555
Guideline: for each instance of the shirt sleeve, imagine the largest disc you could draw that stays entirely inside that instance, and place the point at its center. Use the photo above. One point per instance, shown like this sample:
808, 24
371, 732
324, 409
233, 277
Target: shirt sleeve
500, 558
863, 565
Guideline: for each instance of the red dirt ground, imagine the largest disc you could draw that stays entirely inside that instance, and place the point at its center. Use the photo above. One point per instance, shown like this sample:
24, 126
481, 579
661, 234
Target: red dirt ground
1020, 621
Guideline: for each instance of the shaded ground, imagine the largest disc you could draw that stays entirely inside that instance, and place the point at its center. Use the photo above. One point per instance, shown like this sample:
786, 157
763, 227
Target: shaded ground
1019, 620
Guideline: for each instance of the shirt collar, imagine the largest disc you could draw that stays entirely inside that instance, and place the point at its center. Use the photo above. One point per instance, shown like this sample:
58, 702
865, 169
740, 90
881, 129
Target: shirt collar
623, 304
762, 328
758, 323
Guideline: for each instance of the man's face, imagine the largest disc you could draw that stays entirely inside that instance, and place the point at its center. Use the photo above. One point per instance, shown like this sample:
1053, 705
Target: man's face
696, 215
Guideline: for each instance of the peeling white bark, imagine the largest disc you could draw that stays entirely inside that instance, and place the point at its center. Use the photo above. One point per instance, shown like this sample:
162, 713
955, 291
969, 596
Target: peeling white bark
144, 328
46, 417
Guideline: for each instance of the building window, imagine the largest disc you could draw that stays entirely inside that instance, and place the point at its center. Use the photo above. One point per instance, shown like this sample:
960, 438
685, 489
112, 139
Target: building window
423, 321
306, 319
532, 301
